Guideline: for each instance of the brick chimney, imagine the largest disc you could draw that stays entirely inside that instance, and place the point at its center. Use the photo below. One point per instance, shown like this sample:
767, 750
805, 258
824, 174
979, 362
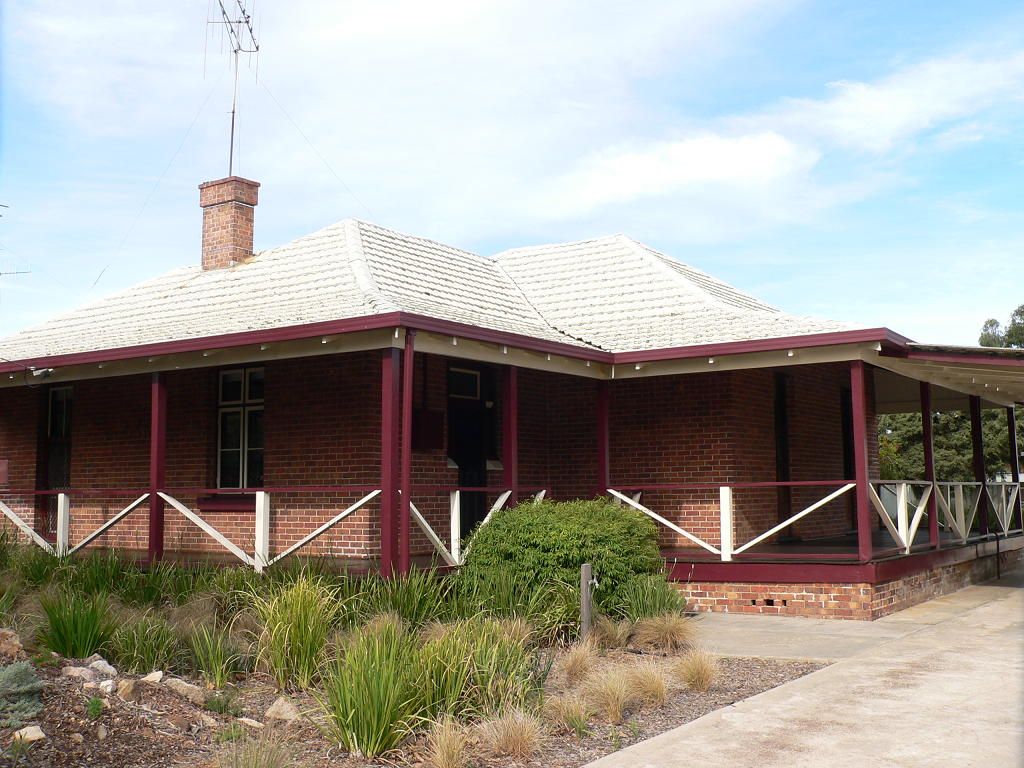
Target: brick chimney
227, 220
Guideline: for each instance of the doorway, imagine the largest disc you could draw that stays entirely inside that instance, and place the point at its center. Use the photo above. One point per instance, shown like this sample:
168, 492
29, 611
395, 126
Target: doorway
55, 456
471, 436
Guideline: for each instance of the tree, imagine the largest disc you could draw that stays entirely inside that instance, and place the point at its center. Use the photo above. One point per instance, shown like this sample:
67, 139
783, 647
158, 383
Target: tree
900, 437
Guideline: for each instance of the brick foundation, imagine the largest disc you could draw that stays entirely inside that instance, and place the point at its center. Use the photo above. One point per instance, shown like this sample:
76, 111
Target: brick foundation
861, 601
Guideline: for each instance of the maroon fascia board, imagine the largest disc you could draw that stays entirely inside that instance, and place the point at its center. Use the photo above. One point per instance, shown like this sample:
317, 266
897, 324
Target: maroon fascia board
938, 357
434, 325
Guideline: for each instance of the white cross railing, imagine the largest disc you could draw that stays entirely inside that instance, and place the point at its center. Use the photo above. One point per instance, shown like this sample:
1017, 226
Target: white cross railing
1004, 498
907, 506
635, 503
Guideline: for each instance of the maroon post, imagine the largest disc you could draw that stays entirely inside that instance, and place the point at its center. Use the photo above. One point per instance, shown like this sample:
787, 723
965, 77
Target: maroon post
858, 396
510, 431
603, 440
1011, 425
928, 442
389, 363
406, 482
157, 465
978, 446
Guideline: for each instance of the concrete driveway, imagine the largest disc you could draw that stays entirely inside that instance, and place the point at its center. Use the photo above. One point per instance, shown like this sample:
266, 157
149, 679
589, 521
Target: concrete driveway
940, 684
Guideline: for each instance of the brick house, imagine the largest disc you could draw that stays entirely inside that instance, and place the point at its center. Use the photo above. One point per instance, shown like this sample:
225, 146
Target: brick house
371, 397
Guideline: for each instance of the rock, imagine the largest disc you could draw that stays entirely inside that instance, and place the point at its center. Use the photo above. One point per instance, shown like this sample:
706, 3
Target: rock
82, 673
92, 685
107, 686
77, 738
101, 733
103, 668
10, 644
128, 690
153, 677
250, 722
193, 693
91, 659
207, 721
282, 709
30, 734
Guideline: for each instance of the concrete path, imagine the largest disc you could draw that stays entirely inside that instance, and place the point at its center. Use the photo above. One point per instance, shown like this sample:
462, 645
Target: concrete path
940, 684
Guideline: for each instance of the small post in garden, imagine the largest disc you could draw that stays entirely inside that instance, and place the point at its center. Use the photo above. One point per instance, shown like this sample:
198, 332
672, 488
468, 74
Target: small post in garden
586, 600
63, 525
261, 557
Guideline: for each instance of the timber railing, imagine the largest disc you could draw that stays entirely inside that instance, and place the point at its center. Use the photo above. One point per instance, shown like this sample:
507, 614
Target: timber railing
903, 506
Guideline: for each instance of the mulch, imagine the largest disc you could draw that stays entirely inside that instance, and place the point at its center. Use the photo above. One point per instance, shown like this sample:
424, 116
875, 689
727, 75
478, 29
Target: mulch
163, 729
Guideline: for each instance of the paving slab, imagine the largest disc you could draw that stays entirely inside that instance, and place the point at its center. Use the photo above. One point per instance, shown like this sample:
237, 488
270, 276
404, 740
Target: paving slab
940, 685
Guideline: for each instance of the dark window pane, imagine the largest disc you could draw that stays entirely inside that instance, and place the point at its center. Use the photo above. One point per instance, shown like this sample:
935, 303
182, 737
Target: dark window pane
231, 387
254, 430
255, 384
254, 468
230, 430
230, 469
464, 384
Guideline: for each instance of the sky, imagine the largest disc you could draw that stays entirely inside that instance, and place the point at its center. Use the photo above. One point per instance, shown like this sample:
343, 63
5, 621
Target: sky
856, 161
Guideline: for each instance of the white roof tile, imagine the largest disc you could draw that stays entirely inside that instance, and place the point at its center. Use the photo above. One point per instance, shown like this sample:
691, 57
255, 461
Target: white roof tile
611, 293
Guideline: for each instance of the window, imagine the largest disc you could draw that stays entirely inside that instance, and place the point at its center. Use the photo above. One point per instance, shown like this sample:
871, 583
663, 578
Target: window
240, 429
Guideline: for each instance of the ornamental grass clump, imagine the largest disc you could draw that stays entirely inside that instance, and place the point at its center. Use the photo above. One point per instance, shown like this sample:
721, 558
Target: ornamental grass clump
650, 595
215, 656
698, 669
264, 751
447, 745
513, 733
296, 623
612, 695
76, 626
649, 684
578, 661
668, 632
147, 644
608, 633
569, 714
416, 597
370, 695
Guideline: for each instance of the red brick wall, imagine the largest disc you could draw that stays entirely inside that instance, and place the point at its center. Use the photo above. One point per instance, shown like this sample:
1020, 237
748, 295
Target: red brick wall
19, 435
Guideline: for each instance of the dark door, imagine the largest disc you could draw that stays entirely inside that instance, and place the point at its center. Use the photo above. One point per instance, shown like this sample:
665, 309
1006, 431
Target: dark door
470, 438
57, 452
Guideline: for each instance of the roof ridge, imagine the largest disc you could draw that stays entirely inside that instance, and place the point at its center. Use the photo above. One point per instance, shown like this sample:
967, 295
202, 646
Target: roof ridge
360, 267
566, 244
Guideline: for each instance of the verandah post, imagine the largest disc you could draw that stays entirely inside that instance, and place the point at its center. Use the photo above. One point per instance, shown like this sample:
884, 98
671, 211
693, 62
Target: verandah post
389, 407
858, 397
603, 440
157, 465
978, 450
63, 543
928, 441
1011, 425
510, 431
408, 359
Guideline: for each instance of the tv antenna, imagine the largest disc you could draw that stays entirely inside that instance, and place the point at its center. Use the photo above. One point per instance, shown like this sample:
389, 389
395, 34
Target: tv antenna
238, 23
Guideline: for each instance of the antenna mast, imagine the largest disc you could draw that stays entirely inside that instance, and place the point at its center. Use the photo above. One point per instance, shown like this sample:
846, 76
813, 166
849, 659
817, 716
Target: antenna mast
243, 40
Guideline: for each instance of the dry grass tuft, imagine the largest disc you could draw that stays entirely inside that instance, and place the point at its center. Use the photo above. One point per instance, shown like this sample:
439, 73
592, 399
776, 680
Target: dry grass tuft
447, 745
569, 714
698, 669
434, 630
578, 661
608, 633
264, 751
649, 684
668, 632
201, 610
383, 623
612, 695
514, 733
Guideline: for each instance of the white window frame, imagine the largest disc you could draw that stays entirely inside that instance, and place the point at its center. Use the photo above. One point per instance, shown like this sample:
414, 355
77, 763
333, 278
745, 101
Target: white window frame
475, 374
242, 407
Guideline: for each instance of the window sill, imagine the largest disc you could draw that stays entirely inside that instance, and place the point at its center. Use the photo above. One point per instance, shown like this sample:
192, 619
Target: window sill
227, 502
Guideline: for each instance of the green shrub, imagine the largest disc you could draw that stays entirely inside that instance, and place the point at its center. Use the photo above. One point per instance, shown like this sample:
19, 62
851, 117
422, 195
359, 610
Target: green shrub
214, 655
296, 623
145, 645
76, 625
547, 542
645, 596
369, 697
19, 694
551, 609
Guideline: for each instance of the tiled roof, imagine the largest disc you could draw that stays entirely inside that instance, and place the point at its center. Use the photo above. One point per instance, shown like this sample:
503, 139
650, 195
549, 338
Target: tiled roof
624, 296
612, 293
